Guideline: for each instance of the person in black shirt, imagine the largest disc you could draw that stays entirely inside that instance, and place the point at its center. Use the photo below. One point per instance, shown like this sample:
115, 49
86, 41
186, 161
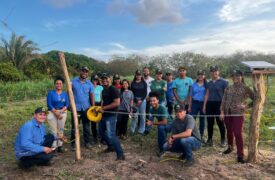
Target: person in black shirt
107, 126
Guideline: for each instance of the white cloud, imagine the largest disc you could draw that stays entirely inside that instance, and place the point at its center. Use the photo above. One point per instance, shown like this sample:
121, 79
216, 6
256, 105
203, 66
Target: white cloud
52, 25
62, 3
235, 10
150, 12
117, 45
255, 36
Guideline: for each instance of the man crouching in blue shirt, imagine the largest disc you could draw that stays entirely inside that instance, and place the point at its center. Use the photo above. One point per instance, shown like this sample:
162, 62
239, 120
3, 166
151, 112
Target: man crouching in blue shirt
185, 136
32, 145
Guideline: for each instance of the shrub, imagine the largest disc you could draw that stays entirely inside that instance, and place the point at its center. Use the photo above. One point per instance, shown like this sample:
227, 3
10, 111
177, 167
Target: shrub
8, 72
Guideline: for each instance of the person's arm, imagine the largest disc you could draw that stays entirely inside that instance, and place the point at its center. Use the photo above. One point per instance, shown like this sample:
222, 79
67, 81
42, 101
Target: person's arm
49, 101
205, 100
185, 134
224, 99
27, 141
92, 98
144, 92
114, 104
162, 122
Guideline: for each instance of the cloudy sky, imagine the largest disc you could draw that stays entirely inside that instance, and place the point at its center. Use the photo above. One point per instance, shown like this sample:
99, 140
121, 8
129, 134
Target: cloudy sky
102, 28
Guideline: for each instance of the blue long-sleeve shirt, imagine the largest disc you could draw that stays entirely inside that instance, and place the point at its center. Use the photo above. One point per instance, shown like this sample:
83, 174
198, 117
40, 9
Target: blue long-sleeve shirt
57, 101
82, 91
29, 139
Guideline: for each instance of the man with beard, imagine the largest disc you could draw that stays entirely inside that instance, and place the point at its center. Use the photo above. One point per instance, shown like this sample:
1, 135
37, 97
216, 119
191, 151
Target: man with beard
83, 91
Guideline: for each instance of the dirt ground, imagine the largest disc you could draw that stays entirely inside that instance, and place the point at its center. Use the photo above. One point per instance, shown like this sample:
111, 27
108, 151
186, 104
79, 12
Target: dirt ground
144, 164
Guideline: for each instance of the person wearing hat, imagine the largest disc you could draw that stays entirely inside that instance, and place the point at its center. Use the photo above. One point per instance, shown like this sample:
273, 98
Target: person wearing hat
83, 91
197, 94
160, 86
185, 136
160, 113
181, 88
117, 82
32, 145
148, 79
139, 88
107, 126
234, 103
169, 93
97, 95
58, 103
212, 102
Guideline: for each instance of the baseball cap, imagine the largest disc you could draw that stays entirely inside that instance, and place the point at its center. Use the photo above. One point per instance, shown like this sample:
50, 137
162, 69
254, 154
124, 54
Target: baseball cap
158, 71
105, 75
237, 73
40, 110
200, 72
116, 76
95, 77
138, 72
84, 68
214, 68
179, 108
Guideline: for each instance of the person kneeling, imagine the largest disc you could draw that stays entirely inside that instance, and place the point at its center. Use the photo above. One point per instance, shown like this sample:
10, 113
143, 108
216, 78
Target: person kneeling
32, 145
185, 136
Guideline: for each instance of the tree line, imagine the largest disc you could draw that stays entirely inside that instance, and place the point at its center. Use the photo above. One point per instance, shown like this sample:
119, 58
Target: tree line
20, 60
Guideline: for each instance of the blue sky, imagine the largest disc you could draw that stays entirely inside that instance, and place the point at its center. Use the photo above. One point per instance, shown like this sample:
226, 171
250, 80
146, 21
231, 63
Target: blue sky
102, 28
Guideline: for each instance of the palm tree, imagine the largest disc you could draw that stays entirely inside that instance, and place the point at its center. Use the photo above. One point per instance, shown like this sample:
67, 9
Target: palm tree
18, 50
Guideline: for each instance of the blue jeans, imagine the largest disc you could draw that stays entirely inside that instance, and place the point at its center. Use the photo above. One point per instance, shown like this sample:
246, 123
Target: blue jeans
107, 131
141, 110
197, 107
184, 146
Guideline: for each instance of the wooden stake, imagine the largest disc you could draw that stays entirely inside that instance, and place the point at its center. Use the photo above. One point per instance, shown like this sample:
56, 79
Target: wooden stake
72, 102
259, 87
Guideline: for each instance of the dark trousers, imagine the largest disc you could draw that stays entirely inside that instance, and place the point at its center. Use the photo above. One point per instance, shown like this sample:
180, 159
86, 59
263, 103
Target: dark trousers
40, 158
86, 127
122, 124
234, 127
170, 107
196, 108
213, 108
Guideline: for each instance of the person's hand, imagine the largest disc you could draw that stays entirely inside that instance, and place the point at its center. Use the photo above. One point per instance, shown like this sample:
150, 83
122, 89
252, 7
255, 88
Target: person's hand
189, 109
204, 110
139, 102
100, 110
48, 150
170, 141
241, 106
149, 123
222, 116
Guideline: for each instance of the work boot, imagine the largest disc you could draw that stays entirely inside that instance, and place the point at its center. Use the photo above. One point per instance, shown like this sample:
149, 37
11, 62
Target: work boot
228, 150
240, 160
223, 143
108, 150
122, 158
209, 142
189, 163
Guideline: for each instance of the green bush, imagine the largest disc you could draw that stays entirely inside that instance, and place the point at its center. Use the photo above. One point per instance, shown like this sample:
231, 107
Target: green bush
9, 73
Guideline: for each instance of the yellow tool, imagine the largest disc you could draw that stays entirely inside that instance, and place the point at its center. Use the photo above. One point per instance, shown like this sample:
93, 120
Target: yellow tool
93, 114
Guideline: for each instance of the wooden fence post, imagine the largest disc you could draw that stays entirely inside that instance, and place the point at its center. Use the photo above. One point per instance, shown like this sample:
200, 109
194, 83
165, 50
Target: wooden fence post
72, 103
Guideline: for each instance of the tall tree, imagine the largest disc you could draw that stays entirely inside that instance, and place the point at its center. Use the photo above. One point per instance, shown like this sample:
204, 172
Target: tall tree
18, 50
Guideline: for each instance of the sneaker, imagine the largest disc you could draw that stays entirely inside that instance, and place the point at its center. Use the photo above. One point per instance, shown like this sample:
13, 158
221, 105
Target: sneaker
88, 146
240, 160
181, 157
108, 150
60, 149
120, 158
223, 143
209, 142
146, 133
228, 151
189, 163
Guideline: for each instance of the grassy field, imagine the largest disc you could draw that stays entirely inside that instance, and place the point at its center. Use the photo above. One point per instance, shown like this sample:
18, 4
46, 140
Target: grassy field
16, 108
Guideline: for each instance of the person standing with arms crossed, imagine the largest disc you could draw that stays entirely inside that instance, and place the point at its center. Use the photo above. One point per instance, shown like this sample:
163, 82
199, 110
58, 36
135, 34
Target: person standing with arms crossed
212, 102
83, 91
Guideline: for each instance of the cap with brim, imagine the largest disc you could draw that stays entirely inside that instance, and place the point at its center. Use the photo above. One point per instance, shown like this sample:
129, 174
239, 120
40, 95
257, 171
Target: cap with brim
84, 68
179, 108
40, 110
237, 73
95, 77
116, 76
138, 72
104, 75
200, 72
214, 68
158, 71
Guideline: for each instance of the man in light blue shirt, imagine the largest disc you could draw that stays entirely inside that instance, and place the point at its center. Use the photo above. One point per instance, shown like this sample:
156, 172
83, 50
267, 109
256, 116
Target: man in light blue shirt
181, 88
83, 91
32, 145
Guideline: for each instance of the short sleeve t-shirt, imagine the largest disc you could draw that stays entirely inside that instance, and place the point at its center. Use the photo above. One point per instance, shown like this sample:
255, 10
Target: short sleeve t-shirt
160, 113
125, 100
216, 89
157, 86
198, 92
109, 94
97, 93
182, 86
179, 126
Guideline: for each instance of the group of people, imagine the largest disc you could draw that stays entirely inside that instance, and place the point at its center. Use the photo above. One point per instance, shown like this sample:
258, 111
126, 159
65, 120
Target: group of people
149, 102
